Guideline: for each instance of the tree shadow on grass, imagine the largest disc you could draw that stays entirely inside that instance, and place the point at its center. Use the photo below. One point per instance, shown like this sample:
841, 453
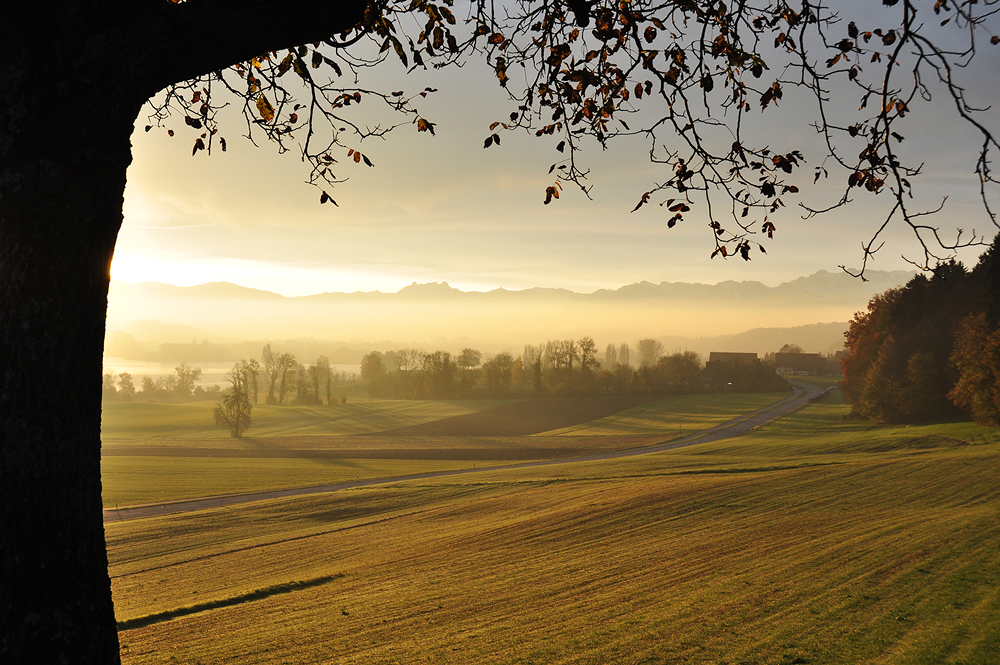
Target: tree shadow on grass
258, 594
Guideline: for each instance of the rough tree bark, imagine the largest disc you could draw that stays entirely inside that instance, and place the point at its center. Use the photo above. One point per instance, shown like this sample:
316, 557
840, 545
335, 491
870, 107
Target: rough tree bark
74, 79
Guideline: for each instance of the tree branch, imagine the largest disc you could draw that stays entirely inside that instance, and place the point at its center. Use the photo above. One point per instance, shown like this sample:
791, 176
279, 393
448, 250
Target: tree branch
188, 40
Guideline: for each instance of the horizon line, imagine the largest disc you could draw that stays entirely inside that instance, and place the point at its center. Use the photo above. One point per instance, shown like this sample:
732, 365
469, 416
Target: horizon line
499, 288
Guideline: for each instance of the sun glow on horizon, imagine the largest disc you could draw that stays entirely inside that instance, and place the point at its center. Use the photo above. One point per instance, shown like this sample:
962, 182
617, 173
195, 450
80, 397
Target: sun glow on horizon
289, 280
292, 279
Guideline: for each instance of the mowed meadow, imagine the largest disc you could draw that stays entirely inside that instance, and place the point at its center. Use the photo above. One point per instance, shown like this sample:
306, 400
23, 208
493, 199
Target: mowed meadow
155, 452
813, 539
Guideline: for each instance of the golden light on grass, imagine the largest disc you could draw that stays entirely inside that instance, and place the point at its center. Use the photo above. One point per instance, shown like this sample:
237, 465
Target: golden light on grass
859, 544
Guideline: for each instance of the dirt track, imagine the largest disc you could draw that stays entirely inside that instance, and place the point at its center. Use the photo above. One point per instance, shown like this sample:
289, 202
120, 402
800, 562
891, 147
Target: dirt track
804, 393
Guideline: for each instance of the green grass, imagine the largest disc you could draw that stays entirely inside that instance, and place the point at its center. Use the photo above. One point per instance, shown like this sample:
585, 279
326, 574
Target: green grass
837, 542
134, 480
176, 429
194, 420
159, 452
675, 415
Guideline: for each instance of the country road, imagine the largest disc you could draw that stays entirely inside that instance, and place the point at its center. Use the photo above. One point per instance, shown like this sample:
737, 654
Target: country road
736, 427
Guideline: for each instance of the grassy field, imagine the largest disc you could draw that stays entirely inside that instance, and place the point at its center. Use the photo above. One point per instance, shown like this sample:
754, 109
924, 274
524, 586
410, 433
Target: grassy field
673, 414
186, 421
130, 481
812, 540
166, 452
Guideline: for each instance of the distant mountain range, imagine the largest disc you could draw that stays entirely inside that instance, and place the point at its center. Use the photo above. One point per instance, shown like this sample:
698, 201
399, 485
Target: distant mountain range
822, 285
435, 315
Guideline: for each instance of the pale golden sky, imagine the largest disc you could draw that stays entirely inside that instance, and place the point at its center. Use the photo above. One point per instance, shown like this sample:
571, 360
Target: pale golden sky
442, 208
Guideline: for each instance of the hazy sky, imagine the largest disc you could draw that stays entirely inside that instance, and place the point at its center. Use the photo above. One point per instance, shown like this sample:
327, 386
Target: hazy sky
441, 208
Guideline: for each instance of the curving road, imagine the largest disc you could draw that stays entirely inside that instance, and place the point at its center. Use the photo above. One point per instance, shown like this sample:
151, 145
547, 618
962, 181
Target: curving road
804, 393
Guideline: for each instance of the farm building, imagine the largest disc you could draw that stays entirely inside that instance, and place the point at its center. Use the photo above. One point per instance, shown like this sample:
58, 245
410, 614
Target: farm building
801, 363
724, 357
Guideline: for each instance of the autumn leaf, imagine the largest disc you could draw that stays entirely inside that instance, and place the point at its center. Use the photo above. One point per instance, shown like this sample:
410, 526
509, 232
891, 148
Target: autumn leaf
397, 47
265, 109
645, 199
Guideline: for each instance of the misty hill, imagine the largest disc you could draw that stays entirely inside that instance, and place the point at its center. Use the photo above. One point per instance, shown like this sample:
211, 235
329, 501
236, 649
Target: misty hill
431, 316
820, 337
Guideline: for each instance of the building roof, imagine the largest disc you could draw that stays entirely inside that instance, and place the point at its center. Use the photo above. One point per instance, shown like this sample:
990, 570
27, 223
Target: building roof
725, 357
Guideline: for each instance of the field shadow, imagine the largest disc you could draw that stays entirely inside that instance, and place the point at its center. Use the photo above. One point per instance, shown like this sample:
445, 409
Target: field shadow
258, 594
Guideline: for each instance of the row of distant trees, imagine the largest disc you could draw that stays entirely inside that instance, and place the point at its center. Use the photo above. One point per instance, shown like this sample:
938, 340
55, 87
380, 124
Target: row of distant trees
283, 379
277, 378
556, 367
931, 349
178, 386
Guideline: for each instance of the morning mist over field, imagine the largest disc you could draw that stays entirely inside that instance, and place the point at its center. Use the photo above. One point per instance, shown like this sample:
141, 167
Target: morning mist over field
435, 315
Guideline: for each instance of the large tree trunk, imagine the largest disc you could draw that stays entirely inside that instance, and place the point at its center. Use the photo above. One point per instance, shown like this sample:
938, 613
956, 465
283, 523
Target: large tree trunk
74, 78
62, 179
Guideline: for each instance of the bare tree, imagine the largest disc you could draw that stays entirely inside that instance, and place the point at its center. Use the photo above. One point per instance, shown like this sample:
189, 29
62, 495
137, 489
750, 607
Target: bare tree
410, 359
624, 356
588, 353
271, 371
323, 377
650, 351
610, 357
186, 378
284, 363
248, 372
234, 411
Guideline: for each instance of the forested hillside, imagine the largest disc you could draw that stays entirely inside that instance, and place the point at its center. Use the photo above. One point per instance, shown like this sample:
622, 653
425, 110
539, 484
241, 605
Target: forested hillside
930, 349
